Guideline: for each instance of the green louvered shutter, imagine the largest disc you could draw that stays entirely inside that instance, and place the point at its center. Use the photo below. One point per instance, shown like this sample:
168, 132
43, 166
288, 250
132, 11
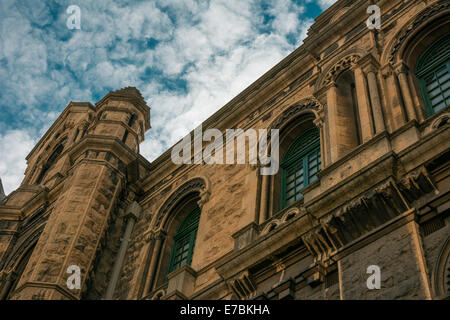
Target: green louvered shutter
433, 72
184, 241
300, 165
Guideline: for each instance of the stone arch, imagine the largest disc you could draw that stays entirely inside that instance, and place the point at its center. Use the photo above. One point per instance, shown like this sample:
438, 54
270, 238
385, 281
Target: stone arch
395, 50
172, 213
295, 119
403, 52
200, 185
290, 214
159, 295
306, 105
342, 62
441, 273
22, 247
439, 122
272, 225
15, 263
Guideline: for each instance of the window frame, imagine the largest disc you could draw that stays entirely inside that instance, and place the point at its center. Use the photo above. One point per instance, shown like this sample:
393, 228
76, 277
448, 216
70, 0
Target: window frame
424, 69
290, 160
187, 230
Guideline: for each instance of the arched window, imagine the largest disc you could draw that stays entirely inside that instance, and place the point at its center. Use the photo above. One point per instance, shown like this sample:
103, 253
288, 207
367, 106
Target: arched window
51, 160
300, 165
184, 241
433, 72
20, 268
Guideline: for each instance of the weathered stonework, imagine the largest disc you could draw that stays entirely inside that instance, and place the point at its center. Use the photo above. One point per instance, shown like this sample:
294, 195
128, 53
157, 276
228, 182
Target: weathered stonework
382, 196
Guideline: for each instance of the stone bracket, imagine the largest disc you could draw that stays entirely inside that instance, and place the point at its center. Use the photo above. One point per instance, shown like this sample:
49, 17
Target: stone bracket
243, 286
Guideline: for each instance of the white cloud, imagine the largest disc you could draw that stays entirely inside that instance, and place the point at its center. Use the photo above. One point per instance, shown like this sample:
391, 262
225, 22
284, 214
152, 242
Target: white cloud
215, 47
325, 4
14, 147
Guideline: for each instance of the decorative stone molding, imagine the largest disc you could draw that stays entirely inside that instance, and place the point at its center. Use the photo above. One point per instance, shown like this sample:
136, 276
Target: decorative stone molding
24, 243
442, 120
365, 213
421, 17
401, 67
310, 103
204, 198
272, 225
344, 64
292, 213
159, 295
415, 184
194, 185
288, 216
243, 286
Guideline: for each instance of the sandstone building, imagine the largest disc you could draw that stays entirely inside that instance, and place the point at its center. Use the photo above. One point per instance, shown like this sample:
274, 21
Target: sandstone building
364, 180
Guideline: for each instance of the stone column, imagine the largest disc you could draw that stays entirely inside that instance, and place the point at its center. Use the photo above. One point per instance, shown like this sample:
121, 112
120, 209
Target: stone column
402, 74
263, 215
376, 102
150, 279
323, 140
363, 105
332, 121
395, 113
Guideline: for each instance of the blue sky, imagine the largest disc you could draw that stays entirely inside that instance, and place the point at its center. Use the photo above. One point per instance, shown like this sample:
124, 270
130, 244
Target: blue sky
187, 57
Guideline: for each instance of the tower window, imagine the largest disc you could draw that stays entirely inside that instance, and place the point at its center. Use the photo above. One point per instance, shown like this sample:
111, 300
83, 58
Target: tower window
125, 136
132, 120
433, 72
184, 241
300, 166
51, 160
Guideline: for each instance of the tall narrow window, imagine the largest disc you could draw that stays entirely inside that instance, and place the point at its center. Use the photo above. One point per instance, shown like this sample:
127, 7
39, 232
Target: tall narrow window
300, 166
433, 72
51, 160
132, 120
184, 240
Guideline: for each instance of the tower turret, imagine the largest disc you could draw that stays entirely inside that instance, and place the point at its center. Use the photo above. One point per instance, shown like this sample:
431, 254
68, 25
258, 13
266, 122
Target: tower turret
97, 161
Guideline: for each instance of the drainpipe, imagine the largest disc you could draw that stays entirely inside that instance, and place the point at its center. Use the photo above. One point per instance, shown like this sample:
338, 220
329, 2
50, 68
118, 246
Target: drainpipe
132, 215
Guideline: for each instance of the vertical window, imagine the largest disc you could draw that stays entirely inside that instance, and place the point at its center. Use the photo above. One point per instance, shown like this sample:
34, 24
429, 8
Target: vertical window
433, 72
132, 120
184, 240
125, 136
300, 166
51, 160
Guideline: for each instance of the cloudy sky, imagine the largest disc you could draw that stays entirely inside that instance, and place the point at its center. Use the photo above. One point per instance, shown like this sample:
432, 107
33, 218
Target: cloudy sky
187, 57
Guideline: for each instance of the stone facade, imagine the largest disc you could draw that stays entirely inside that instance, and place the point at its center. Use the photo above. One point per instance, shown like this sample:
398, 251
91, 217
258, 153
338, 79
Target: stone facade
89, 199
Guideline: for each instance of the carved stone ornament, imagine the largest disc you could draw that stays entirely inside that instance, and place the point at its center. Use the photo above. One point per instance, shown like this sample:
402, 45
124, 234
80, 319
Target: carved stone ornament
338, 68
309, 103
413, 26
194, 185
